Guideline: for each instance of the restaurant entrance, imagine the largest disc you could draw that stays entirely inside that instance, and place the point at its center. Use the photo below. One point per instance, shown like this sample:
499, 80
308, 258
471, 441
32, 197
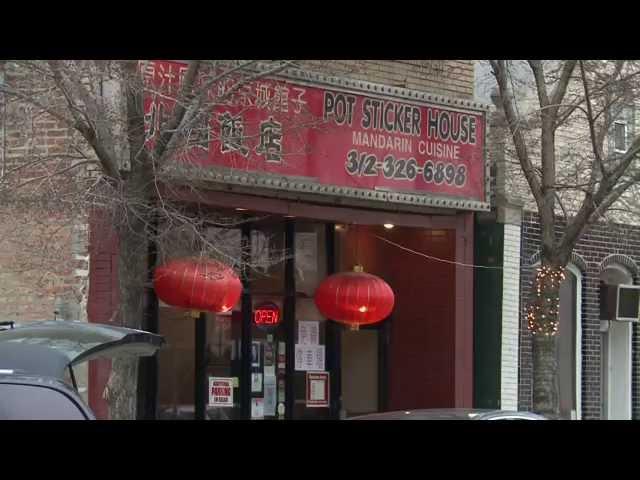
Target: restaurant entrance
249, 354
274, 356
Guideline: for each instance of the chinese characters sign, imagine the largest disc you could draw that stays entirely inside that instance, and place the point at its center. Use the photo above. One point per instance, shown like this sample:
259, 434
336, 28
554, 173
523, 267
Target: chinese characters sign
327, 136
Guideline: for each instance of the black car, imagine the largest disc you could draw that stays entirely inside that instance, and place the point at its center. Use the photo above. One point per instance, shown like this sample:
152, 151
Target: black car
36, 360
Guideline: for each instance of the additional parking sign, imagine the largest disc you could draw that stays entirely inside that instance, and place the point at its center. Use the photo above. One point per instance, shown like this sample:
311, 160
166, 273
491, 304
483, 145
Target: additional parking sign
220, 392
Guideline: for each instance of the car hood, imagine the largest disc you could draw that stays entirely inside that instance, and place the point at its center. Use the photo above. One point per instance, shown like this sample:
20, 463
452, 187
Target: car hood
82, 341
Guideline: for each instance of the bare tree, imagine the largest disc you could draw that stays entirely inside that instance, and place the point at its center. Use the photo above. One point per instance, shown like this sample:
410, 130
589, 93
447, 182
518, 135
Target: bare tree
575, 168
109, 165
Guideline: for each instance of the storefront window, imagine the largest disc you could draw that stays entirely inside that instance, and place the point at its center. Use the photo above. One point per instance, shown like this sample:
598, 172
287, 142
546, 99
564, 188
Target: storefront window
177, 360
360, 371
310, 325
266, 264
268, 332
222, 351
223, 367
359, 352
176, 365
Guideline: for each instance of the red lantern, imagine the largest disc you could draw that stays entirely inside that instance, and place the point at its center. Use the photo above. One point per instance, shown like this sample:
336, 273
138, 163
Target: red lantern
197, 284
355, 298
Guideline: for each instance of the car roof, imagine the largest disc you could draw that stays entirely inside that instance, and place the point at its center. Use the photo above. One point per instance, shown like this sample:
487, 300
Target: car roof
449, 414
52, 383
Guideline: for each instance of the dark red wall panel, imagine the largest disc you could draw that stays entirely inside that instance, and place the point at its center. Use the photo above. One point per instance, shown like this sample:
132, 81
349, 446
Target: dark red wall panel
103, 301
422, 349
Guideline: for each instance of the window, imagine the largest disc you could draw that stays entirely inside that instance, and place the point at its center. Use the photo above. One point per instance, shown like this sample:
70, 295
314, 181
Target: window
620, 137
35, 402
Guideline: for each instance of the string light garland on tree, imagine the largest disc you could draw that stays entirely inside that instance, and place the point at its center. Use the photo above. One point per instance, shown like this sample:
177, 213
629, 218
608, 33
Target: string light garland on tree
542, 313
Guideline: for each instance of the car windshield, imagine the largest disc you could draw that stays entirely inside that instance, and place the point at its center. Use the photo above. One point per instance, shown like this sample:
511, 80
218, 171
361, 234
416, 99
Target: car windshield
37, 402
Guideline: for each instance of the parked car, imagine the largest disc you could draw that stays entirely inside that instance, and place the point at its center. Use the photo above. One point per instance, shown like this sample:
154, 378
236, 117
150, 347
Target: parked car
36, 358
451, 414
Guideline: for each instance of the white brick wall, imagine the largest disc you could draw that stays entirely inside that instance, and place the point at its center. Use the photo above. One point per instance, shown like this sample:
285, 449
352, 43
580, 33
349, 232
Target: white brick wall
510, 318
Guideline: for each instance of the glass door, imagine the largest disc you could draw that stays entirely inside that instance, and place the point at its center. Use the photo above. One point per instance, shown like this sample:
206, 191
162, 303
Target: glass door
222, 365
312, 369
271, 357
267, 320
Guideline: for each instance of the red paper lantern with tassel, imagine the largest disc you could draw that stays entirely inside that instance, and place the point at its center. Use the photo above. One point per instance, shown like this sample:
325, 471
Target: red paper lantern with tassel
355, 298
197, 284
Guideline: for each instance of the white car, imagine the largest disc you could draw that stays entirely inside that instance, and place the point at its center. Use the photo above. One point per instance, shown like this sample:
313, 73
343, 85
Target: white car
451, 414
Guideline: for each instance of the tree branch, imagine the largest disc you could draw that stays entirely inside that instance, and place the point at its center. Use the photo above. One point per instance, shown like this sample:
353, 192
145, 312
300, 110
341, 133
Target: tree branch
590, 120
561, 88
85, 127
167, 136
59, 172
538, 75
499, 71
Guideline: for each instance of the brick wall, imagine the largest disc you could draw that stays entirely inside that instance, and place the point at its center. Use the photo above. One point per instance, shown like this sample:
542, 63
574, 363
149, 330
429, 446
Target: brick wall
452, 78
43, 244
597, 243
43, 267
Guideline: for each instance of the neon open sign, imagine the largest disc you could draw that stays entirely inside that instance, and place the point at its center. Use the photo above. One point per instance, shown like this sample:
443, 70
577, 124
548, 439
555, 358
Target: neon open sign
266, 314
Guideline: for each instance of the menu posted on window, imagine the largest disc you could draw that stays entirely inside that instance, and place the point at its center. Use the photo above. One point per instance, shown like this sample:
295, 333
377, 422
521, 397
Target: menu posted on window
317, 389
309, 357
308, 333
220, 392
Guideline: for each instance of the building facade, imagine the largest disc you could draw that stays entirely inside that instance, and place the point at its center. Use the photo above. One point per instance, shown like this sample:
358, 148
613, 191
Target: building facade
323, 163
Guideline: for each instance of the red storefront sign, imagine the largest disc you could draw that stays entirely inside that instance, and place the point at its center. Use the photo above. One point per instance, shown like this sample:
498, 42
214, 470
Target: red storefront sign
329, 136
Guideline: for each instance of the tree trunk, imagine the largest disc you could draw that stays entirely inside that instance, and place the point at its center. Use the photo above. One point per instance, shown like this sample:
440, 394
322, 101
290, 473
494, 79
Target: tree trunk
132, 276
543, 317
546, 395
132, 221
